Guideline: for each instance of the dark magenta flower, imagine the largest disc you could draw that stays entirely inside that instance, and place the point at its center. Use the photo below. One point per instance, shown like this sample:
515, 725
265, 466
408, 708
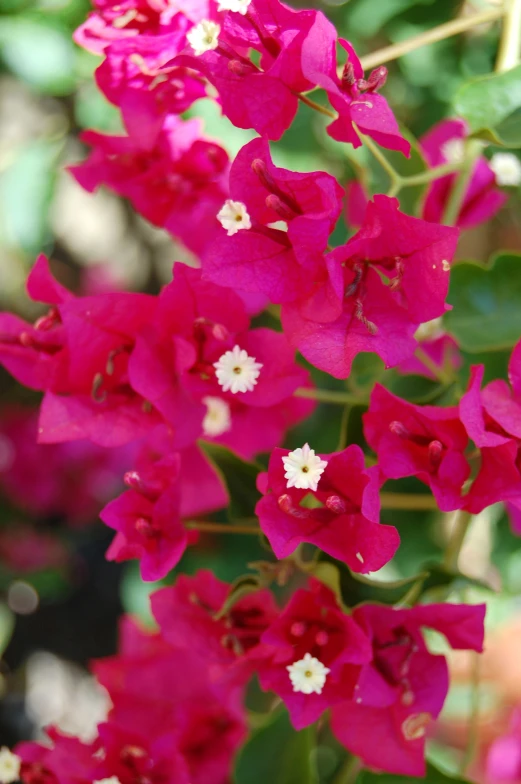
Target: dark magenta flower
403, 688
312, 654
343, 519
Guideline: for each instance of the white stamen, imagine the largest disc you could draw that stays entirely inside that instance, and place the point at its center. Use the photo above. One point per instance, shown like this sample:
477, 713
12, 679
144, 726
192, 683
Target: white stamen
236, 371
204, 37
507, 168
453, 150
9, 766
217, 419
308, 675
239, 6
233, 217
303, 468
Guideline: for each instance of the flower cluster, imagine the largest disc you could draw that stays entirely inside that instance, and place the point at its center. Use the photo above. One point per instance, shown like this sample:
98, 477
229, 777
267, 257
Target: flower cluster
164, 376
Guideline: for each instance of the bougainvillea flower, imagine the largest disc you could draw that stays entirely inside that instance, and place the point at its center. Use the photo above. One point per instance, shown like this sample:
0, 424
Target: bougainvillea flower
312, 623
343, 520
174, 366
503, 757
133, 78
148, 516
353, 310
444, 143
360, 108
265, 96
403, 688
115, 20
179, 183
281, 264
424, 441
190, 615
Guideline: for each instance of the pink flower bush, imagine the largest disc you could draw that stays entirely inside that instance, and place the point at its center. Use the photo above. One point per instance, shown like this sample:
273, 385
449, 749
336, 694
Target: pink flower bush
175, 393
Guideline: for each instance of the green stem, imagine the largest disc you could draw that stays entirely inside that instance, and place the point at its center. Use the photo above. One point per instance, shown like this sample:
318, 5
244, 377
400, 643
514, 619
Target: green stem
349, 771
473, 148
460, 526
439, 33
510, 45
439, 373
432, 174
223, 528
316, 106
328, 396
408, 501
473, 723
380, 157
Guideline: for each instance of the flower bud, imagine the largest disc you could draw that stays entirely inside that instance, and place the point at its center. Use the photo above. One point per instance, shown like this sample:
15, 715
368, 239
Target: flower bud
335, 504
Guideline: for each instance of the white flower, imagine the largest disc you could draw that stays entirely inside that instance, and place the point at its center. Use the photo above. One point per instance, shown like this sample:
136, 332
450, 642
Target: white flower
507, 168
240, 6
9, 766
303, 468
233, 217
454, 150
308, 675
217, 419
236, 371
204, 37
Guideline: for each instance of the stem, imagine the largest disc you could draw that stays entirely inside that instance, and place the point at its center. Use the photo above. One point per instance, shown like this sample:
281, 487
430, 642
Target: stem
380, 157
328, 396
439, 33
223, 528
473, 149
349, 771
432, 174
437, 372
408, 501
460, 525
510, 44
316, 106
473, 722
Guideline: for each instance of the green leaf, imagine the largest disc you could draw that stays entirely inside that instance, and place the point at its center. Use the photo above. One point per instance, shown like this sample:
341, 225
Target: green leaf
352, 589
434, 776
39, 53
491, 106
486, 313
276, 754
240, 478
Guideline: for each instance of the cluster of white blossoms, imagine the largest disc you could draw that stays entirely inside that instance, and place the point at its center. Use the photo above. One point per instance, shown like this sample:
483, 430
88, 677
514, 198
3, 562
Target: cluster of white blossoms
507, 168
239, 6
9, 766
234, 217
454, 150
204, 37
308, 675
303, 468
218, 418
236, 371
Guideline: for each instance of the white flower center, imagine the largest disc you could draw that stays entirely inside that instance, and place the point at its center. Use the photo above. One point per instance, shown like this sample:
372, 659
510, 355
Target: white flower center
303, 468
9, 766
507, 168
110, 780
308, 675
236, 371
204, 37
239, 6
429, 330
233, 217
454, 150
217, 419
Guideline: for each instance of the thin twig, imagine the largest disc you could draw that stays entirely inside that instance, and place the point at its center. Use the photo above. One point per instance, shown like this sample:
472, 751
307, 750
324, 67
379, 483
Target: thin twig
446, 30
329, 396
223, 528
510, 45
408, 501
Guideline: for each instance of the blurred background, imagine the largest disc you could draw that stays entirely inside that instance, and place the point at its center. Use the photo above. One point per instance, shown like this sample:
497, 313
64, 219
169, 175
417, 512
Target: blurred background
59, 599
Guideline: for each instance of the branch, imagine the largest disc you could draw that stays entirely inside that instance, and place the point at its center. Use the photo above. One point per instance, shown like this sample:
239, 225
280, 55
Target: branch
408, 501
446, 30
510, 45
329, 396
223, 528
